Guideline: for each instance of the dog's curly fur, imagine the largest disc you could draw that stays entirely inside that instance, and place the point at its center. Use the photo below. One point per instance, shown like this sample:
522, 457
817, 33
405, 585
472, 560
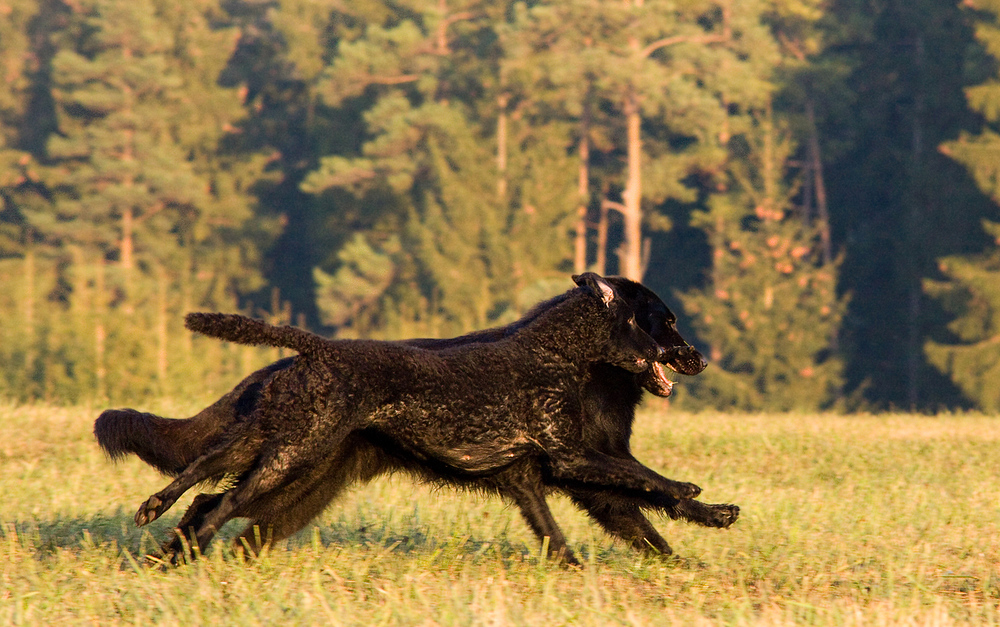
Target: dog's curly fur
609, 397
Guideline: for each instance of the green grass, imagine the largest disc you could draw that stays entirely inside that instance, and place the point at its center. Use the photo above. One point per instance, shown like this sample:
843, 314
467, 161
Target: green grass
847, 520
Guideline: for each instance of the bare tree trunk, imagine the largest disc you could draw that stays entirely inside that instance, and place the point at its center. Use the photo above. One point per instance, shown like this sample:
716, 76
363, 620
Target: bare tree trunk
718, 251
187, 288
30, 345
601, 262
128, 245
161, 329
502, 147
913, 252
442, 30
816, 167
770, 180
128, 156
29, 295
630, 253
583, 190
100, 335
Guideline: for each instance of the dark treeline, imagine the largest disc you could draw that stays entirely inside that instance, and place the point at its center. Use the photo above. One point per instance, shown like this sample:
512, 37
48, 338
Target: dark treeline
812, 185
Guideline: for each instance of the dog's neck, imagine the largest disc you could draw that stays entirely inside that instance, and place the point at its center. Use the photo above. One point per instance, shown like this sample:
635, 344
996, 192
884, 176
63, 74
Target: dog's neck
577, 328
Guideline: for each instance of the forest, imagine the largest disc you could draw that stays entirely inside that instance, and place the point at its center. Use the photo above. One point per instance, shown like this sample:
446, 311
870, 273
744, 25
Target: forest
812, 185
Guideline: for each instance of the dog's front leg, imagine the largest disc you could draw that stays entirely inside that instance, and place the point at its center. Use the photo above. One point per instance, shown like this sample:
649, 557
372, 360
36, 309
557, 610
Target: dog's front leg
531, 500
599, 469
720, 515
621, 517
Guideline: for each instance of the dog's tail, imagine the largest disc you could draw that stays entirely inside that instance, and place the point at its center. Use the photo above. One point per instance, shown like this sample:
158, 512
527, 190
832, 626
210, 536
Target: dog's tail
244, 330
166, 444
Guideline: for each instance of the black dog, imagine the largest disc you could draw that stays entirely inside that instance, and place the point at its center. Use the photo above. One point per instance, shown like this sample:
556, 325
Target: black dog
610, 396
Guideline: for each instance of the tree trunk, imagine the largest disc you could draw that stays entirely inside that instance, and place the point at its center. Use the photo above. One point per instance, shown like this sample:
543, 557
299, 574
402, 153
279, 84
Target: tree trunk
29, 295
187, 289
128, 247
583, 190
818, 184
30, 345
601, 262
502, 147
100, 335
161, 329
914, 248
630, 253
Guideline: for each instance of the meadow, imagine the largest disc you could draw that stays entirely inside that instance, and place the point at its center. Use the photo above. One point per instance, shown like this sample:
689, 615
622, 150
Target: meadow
846, 520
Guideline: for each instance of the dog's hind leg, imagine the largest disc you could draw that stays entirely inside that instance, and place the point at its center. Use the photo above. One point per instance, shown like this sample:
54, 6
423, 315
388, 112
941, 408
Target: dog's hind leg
188, 525
278, 516
280, 519
539, 517
283, 491
229, 506
622, 518
228, 457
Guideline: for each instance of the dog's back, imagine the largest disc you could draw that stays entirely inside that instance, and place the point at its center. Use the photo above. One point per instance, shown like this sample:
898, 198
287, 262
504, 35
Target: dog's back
473, 407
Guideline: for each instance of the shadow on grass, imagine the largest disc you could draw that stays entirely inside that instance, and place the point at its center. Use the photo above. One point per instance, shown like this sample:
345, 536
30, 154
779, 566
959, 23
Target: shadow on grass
116, 531
47, 536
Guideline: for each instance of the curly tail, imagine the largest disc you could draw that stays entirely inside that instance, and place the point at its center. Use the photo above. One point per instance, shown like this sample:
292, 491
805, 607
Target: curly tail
244, 330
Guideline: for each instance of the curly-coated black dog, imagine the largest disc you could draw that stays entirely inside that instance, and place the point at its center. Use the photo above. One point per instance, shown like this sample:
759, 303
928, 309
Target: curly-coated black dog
609, 397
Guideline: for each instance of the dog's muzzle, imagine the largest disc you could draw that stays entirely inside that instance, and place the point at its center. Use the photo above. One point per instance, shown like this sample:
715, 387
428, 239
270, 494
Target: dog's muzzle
683, 359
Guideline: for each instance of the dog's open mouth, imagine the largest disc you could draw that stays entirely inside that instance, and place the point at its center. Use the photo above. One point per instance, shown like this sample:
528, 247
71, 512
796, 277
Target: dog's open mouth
657, 381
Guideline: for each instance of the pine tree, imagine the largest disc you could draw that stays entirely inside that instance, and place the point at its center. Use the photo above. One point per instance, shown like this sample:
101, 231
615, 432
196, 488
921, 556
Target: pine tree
770, 310
971, 356
120, 171
148, 212
15, 161
25, 263
893, 95
453, 145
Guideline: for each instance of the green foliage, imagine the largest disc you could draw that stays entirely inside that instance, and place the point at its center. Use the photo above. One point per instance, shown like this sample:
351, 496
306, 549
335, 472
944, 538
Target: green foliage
971, 358
968, 291
361, 279
423, 168
770, 312
136, 213
473, 231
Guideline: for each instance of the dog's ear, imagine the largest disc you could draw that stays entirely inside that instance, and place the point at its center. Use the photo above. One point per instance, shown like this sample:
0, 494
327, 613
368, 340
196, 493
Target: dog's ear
597, 283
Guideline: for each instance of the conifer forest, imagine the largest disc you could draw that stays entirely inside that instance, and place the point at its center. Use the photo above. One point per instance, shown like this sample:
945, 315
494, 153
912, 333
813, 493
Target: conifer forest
812, 185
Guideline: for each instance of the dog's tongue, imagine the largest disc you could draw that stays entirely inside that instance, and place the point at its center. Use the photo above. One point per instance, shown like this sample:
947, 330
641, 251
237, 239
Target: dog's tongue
659, 380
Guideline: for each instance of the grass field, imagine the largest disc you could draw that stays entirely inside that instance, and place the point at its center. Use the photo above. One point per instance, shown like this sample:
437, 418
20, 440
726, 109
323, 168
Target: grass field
846, 520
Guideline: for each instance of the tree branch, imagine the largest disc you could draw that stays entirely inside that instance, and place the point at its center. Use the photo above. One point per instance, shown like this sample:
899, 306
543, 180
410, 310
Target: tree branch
392, 80
680, 39
617, 206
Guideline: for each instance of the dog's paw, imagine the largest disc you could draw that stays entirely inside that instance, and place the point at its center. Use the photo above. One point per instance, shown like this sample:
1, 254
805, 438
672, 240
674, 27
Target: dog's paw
568, 560
724, 514
684, 490
149, 511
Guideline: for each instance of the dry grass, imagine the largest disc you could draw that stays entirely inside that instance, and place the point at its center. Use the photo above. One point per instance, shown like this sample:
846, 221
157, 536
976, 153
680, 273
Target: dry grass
847, 520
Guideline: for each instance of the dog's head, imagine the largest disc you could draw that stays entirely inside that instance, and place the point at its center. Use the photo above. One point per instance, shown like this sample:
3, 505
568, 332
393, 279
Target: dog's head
629, 347
655, 318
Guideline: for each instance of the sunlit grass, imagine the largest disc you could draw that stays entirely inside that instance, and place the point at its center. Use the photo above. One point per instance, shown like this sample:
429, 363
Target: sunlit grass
864, 520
